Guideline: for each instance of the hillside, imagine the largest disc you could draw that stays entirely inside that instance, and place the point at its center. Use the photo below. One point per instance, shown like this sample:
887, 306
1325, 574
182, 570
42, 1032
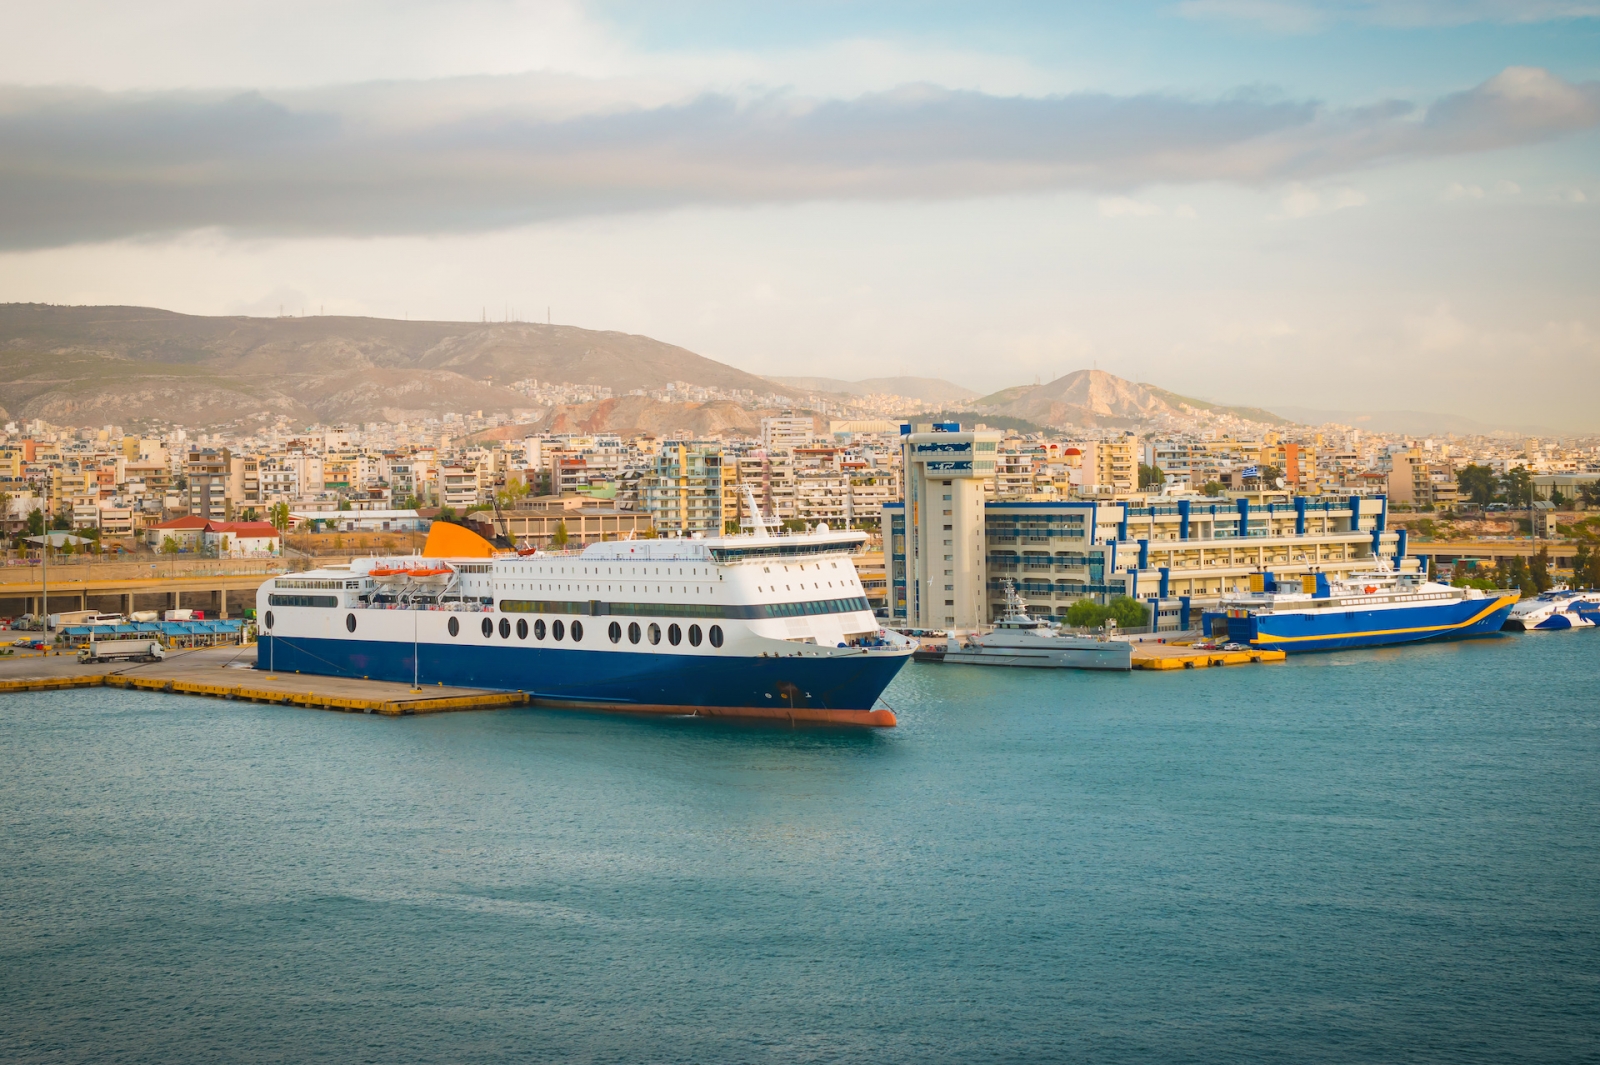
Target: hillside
1249, 414
1095, 399
93, 365
1087, 398
927, 389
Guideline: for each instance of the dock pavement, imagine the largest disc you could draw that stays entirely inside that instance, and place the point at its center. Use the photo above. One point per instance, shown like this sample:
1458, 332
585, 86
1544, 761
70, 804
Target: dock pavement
228, 673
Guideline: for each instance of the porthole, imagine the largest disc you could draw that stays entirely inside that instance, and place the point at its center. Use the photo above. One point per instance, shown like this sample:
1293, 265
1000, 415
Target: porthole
716, 635
694, 636
615, 632
505, 628
454, 627
674, 634
577, 631
655, 633
633, 632
522, 628
350, 623
269, 619
488, 627
557, 629
538, 629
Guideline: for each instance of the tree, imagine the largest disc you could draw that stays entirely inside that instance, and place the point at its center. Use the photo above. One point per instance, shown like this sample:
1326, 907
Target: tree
1516, 575
1590, 494
344, 504
1477, 483
1270, 475
1086, 614
279, 516
1586, 567
410, 503
1518, 486
1129, 613
35, 522
1539, 570
447, 513
1151, 477
169, 546
560, 538
61, 523
1212, 488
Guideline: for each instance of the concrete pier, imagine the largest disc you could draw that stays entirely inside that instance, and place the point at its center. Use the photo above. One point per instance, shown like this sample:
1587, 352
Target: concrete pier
224, 673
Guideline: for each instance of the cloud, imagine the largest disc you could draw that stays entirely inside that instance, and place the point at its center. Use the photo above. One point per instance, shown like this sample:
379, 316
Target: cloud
1300, 201
481, 154
1127, 207
1310, 16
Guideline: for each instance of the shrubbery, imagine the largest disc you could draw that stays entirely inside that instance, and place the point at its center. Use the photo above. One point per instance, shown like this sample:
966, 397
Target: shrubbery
1127, 613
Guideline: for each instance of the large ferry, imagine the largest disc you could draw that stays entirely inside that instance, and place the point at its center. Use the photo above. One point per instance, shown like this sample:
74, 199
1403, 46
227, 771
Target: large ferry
1371, 609
1559, 608
751, 625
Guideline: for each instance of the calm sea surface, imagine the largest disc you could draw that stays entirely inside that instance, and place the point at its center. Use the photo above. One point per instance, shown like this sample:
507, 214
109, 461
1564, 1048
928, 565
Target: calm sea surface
1376, 856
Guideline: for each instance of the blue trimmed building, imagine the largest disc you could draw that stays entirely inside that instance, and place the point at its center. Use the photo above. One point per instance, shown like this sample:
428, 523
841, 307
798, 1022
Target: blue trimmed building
1179, 555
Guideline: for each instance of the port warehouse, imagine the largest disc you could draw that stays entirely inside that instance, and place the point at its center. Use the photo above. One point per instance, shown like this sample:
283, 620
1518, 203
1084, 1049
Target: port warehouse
949, 552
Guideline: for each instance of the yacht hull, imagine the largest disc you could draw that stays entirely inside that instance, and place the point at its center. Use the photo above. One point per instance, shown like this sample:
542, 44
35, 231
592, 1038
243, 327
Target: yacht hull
1111, 655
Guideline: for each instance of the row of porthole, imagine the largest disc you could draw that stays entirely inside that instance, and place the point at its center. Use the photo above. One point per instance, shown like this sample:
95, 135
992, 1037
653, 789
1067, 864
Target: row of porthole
559, 630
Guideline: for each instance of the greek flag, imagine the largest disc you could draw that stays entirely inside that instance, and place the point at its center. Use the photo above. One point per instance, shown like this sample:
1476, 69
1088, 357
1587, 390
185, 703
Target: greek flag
1250, 471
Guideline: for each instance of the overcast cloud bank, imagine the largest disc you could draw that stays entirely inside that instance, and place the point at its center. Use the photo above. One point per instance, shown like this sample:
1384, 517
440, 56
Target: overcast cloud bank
481, 154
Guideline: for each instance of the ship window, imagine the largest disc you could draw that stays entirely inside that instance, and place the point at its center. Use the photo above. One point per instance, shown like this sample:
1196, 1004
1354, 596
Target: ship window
522, 628
633, 632
505, 628
674, 635
558, 629
303, 600
655, 633
716, 636
694, 636
454, 627
538, 629
269, 619
350, 623
577, 631
615, 632
488, 627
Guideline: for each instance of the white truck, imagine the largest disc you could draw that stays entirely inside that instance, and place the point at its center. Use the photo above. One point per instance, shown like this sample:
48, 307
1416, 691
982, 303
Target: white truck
141, 650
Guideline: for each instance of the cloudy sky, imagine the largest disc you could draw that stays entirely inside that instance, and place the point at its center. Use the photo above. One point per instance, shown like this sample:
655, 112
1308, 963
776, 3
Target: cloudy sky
1326, 203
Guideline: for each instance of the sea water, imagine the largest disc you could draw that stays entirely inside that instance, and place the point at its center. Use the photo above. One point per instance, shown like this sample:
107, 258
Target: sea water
1364, 856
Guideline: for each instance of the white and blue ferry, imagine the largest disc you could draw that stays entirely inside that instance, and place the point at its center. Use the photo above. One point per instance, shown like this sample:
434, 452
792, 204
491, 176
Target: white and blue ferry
1373, 609
753, 625
1559, 608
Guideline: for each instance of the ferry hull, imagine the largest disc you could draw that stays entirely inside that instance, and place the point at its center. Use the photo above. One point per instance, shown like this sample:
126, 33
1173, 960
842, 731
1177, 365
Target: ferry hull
1335, 630
825, 689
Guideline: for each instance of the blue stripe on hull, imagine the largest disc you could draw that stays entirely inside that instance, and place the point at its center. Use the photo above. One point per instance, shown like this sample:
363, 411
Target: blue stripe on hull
602, 678
1336, 630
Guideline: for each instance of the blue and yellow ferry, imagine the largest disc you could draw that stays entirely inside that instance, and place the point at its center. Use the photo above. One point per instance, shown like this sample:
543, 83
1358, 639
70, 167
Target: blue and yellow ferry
1372, 609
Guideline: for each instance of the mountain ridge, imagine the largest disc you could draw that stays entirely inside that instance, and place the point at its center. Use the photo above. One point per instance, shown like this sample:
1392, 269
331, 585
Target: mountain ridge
92, 365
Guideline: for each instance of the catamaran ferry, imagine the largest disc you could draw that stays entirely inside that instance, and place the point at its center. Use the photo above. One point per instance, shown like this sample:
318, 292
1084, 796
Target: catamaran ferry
752, 625
1559, 608
1368, 610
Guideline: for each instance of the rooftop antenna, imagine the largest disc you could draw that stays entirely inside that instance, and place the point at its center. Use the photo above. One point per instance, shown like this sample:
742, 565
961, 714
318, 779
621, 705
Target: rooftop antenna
547, 314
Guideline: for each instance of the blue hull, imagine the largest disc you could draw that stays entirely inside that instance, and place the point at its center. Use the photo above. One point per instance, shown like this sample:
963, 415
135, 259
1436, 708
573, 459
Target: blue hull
602, 679
1337, 630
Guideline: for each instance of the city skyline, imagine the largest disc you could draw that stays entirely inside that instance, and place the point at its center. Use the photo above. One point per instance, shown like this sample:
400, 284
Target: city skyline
1343, 206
